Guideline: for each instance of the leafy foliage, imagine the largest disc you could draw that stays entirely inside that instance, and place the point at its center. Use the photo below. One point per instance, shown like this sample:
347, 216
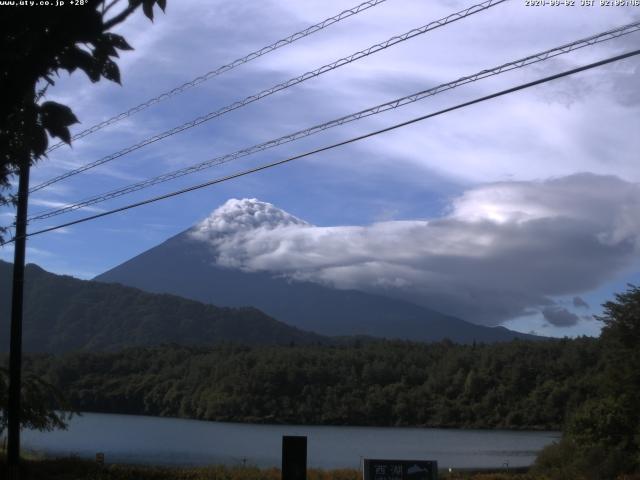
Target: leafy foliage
35, 46
602, 438
43, 406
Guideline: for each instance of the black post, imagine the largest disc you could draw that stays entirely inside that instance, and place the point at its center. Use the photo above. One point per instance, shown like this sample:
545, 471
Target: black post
15, 348
294, 458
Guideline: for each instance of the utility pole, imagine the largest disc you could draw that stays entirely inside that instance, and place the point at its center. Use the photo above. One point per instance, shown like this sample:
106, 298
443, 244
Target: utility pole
15, 348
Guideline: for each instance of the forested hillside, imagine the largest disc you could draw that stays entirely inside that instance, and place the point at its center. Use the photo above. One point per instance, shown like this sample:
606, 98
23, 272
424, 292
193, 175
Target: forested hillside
510, 385
64, 314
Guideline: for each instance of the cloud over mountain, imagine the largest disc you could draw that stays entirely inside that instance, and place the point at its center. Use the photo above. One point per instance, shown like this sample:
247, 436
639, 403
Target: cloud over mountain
241, 215
502, 250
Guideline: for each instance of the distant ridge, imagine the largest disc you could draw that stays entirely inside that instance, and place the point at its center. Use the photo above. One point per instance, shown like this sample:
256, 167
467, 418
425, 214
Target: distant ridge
65, 314
185, 266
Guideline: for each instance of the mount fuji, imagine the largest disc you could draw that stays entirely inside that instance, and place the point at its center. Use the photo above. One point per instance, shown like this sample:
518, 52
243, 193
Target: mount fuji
250, 253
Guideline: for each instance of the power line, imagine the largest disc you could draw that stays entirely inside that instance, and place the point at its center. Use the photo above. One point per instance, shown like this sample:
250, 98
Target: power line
531, 59
335, 145
281, 86
225, 68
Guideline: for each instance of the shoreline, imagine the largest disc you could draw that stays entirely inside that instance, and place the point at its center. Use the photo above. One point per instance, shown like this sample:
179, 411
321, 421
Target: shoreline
524, 429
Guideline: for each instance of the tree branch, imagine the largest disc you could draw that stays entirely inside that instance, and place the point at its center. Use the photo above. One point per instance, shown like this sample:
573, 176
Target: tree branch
121, 17
106, 8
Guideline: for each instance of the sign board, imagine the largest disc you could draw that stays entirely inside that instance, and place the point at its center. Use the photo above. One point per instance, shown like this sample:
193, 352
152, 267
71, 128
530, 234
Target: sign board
373, 469
100, 458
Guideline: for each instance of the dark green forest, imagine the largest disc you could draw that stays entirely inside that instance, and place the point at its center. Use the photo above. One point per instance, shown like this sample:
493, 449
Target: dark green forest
64, 314
510, 385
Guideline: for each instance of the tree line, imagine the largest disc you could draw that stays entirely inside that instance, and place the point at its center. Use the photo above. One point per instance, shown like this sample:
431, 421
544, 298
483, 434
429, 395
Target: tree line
508, 385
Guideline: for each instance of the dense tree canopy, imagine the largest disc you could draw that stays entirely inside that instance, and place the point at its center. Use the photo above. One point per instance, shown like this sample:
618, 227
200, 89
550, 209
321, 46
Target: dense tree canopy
510, 385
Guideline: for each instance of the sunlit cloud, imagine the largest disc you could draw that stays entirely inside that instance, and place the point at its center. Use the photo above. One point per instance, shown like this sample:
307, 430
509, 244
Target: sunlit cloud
503, 249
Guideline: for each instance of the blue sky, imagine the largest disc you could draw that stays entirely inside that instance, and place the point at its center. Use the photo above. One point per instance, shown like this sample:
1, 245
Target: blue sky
512, 171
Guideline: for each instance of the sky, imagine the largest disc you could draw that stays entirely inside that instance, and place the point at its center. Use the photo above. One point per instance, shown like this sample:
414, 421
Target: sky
521, 211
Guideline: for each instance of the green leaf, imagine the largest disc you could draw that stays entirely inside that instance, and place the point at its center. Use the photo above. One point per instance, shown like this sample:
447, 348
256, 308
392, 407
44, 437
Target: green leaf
118, 41
56, 117
61, 132
56, 113
162, 4
110, 71
82, 59
104, 47
147, 8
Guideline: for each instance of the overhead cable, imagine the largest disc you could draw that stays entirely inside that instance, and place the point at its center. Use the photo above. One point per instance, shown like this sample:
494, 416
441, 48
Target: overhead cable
531, 59
281, 86
335, 145
225, 68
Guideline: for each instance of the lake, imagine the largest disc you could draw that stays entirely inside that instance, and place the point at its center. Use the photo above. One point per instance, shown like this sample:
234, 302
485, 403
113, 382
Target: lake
171, 441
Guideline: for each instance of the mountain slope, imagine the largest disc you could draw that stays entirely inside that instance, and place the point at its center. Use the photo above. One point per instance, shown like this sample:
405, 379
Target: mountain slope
184, 265
64, 314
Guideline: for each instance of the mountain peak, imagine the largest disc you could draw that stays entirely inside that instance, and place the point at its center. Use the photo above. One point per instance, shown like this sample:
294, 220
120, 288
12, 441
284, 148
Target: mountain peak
237, 215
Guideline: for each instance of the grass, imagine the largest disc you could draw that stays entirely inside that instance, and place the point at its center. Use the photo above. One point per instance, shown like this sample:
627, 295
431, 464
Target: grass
36, 467
76, 469
73, 468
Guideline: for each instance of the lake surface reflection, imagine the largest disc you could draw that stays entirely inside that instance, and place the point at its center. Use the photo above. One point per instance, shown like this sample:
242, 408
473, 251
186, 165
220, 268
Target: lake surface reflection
170, 441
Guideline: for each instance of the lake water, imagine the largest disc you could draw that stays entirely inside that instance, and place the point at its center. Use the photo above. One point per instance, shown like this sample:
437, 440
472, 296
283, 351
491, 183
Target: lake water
170, 441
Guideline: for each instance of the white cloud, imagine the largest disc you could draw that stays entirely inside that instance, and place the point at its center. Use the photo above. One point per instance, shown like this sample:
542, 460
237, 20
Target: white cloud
54, 204
503, 249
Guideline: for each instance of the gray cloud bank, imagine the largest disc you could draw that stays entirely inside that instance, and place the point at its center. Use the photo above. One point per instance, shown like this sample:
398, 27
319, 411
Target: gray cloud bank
560, 317
501, 251
580, 302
